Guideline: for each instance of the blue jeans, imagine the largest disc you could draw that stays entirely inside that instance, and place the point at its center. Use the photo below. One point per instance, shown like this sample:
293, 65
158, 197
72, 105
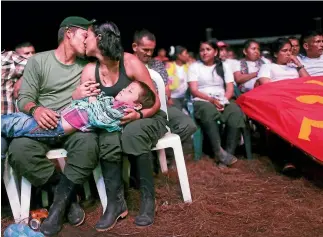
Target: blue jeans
22, 125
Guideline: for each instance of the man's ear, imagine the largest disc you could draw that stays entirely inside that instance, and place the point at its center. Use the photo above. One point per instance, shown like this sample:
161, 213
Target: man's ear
138, 107
134, 47
305, 45
69, 32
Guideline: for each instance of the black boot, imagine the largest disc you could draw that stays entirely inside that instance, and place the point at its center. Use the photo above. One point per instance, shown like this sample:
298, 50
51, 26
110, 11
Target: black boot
147, 191
117, 206
75, 213
63, 194
233, 138
212, 131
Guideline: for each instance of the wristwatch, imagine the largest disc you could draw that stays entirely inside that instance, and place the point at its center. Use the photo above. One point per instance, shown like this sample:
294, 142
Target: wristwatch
300, 67
32, 110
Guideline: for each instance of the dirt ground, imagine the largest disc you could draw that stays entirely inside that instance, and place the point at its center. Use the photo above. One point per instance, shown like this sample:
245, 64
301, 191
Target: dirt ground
250, 199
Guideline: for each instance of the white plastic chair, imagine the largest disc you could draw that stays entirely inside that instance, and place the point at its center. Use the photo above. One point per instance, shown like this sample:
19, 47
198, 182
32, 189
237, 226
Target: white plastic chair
60, 154
171, 140
11, 184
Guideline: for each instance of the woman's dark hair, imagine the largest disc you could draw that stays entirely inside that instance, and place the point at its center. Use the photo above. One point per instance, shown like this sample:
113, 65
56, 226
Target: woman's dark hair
277, 45
178, 50
110, 42
248, 42
217, 61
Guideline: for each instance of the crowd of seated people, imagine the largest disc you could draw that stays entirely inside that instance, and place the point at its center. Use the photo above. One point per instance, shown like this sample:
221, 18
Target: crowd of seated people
209, 79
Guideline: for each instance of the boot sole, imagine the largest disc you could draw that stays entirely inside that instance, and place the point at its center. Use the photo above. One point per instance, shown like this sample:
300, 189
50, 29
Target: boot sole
81, 222
122, 215
233, 162
143, 226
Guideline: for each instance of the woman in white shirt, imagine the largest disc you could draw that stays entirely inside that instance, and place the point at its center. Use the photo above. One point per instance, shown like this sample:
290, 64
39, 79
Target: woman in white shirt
285, 65
246, 71
211, 85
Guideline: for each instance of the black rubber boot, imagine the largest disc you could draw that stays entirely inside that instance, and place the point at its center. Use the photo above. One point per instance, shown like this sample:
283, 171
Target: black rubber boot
117, 206
147, 191
63, 194
75, 213
233, 138
212, 131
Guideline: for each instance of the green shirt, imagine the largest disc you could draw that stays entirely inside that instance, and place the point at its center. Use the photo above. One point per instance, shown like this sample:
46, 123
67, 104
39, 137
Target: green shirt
48, 82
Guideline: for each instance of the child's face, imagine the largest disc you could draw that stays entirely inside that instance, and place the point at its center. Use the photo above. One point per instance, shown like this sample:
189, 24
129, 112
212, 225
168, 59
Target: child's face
130, 94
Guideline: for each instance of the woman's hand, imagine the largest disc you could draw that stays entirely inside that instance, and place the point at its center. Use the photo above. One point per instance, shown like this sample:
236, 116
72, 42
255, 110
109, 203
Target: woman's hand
88, 88
131, 115
294, 59
217, 104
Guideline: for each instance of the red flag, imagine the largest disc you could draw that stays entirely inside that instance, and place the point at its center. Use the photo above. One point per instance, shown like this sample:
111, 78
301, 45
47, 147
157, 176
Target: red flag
293, 109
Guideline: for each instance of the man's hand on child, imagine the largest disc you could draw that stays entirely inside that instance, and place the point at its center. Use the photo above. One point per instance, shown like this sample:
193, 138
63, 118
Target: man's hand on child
46, 118
131, 115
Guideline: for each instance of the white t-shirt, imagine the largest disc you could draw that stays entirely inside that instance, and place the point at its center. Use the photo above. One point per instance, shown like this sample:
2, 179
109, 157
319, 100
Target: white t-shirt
278, 72
314, 66
208, 81
182, 88
252, 67
233, 63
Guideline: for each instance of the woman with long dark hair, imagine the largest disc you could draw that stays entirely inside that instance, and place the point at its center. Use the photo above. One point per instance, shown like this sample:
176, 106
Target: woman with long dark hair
211, 85
113, 71
285, 65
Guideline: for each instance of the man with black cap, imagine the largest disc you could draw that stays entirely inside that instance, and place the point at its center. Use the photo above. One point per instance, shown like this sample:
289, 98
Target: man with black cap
49, 79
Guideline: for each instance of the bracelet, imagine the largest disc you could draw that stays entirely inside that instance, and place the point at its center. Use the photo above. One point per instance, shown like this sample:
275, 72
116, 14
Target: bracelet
33, 110
300, 67
140, 113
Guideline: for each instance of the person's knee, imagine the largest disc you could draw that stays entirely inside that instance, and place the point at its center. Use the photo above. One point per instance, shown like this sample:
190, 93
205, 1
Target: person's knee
82, 156
18, 150
110, 146
208, 115
28, 158
141, 135
183, 126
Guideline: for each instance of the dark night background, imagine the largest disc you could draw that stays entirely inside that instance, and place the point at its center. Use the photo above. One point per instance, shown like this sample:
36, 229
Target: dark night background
172, 22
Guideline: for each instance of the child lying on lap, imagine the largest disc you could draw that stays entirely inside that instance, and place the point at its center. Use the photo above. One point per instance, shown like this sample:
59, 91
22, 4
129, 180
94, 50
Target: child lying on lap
102, 112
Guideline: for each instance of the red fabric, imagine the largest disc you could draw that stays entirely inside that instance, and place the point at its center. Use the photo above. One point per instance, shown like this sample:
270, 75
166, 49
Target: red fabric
282, 107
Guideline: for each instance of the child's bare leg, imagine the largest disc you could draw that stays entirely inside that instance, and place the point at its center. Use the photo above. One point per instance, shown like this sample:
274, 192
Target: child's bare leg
68, 129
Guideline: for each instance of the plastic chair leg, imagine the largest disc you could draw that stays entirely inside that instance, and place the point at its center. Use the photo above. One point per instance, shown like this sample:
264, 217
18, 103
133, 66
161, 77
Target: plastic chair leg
181, 170
162, 160
198, 144
25, 199
11, 184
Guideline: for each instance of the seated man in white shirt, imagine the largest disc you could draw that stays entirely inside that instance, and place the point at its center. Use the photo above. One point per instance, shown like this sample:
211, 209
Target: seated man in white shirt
312, 58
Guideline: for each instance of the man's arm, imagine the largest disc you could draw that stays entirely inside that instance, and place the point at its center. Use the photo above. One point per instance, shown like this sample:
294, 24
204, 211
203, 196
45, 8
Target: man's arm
137, 70
29, 89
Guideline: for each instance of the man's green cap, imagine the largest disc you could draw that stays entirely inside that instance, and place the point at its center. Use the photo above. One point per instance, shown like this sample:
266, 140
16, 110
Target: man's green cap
76, 21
